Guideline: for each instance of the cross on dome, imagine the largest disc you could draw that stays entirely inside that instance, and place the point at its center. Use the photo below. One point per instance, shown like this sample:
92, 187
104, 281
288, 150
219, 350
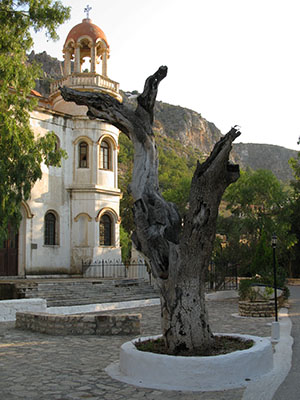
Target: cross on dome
87, 10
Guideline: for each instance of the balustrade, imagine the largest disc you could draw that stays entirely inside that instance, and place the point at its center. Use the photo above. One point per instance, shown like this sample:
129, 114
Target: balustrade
82, 80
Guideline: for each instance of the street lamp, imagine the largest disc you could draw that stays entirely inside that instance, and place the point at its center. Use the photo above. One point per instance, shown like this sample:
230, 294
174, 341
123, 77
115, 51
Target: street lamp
275, 325
274, 243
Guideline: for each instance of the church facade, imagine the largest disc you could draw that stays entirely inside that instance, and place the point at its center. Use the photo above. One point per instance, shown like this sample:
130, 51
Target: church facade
72, 215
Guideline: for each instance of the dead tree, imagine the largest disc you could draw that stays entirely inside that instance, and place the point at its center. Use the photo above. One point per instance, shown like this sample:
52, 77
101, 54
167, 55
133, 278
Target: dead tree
179, 250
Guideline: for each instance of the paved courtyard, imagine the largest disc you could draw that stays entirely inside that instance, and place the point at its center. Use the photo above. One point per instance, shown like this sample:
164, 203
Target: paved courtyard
42, 367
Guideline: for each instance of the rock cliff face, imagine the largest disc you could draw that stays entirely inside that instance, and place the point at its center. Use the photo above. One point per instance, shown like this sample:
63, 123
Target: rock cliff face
191, 129
188, 128
265, 156
52, 69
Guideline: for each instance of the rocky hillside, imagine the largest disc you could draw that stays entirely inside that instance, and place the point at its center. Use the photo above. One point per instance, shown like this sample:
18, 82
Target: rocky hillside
52, 69
188, 128
191, 129
265, 156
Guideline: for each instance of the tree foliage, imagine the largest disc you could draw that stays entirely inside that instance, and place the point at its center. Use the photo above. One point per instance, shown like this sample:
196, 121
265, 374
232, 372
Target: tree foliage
295, 183
175, 174
125, 172
22, 153
295, 212
257, 197
125, 243
259, 206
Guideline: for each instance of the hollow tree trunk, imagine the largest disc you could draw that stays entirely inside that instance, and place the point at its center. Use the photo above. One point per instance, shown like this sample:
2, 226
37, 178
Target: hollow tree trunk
179, 251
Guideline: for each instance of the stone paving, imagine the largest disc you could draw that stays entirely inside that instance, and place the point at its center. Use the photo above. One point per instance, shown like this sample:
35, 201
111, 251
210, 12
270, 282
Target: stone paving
35, 366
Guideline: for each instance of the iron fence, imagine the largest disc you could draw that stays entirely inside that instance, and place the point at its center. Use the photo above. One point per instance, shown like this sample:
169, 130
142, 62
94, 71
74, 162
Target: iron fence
217, 278
115, 268
222, 278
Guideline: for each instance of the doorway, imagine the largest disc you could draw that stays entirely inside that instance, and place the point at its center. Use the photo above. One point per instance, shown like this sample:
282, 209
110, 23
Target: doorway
9, 253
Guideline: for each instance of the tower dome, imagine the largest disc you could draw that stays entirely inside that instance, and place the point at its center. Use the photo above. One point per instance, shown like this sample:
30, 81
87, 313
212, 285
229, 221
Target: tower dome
86, 29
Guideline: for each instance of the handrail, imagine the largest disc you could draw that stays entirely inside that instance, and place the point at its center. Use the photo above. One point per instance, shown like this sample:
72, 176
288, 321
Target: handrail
83, 80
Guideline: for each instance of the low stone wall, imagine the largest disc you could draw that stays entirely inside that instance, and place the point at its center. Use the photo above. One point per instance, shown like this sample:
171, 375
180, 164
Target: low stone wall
257, 308
95, 324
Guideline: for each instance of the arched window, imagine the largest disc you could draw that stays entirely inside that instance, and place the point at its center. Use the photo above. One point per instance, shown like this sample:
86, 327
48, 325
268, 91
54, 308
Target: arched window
105, 231
83, 155
104, 155
50, 229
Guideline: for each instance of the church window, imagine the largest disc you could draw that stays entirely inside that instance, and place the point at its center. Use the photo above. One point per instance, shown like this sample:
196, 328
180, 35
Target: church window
83, 155
105, 231
104, 155
50, 229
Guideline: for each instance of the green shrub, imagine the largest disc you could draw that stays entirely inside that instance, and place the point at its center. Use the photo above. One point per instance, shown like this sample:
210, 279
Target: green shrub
125, 243
246, 292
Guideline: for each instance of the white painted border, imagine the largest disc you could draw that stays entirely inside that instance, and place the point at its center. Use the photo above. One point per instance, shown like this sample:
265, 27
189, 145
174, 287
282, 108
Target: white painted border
9, 308
221, 372
87, 308
266, 386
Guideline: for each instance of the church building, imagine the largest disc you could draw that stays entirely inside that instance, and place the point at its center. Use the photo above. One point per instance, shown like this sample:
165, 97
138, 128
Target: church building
72, 215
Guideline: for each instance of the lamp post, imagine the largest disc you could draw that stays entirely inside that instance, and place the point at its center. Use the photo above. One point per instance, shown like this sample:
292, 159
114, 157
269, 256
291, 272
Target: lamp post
275, 325
274, 243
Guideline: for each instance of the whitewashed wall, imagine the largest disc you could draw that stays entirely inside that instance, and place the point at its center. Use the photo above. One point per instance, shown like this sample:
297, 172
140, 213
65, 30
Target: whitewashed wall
69, 192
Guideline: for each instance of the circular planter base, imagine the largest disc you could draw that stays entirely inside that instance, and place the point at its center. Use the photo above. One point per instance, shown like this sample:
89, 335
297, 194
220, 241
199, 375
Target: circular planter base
257, 308
227, 371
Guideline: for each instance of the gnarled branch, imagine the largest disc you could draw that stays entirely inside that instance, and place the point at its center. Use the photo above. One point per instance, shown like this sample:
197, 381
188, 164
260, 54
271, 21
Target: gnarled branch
102, 106
179, 251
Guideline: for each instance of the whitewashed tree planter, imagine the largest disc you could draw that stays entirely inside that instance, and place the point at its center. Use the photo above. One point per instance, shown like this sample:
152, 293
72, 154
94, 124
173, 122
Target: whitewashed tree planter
221, 372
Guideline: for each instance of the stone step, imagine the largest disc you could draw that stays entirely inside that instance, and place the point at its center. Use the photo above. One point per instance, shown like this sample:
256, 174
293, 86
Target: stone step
66, 293
105, 297
75, 302
54, 291
114, 281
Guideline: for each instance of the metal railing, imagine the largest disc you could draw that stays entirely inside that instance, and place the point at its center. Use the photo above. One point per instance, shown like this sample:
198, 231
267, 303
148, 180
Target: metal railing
225, 278
107, 268
221, 278
90, 80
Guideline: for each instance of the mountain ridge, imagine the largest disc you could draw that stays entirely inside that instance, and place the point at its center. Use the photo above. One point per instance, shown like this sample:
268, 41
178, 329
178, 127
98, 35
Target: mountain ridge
187, 127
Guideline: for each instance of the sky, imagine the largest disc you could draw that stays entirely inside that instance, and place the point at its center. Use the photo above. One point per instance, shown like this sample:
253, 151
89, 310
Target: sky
236, 62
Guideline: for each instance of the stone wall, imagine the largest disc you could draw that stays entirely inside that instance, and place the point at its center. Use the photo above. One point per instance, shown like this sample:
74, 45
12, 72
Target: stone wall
95, 324
257, 308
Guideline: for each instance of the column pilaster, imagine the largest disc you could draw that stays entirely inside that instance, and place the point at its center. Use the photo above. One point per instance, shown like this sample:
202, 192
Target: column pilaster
77, 58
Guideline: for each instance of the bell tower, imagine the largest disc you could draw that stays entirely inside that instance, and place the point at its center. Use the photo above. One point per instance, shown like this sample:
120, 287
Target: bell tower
91, 174
85, 42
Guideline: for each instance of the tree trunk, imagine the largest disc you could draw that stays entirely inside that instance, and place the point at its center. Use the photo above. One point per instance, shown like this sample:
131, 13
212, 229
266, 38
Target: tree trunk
179, 251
